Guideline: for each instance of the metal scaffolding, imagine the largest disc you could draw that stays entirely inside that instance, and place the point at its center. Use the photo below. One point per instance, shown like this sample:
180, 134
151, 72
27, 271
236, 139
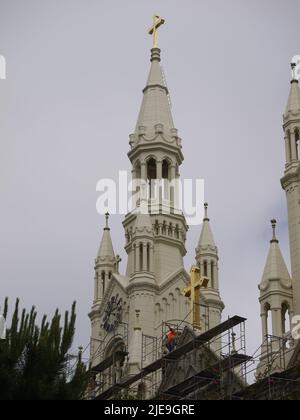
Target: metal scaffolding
219, 369
108, 372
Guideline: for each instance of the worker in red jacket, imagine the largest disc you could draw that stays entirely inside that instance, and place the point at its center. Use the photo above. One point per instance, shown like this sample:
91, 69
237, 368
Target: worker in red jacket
171, 340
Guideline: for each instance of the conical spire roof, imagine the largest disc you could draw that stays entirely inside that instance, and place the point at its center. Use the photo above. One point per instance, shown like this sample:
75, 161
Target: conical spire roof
275, 268
106, 250
155, 107
206, 237
294, 98
293, 104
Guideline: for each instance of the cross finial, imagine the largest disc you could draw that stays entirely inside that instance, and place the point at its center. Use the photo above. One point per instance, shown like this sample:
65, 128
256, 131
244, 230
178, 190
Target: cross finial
107, 221
157, 23
274, 224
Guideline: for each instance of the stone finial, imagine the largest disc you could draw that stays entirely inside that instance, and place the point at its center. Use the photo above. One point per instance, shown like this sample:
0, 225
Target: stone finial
107, 215
206, 218
274, 224
294, 75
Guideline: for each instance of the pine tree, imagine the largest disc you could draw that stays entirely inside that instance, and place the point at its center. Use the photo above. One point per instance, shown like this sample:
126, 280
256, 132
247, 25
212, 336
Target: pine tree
34, 359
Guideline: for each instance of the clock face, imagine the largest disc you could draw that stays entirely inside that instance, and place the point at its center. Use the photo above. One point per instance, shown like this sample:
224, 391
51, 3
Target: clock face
113, 314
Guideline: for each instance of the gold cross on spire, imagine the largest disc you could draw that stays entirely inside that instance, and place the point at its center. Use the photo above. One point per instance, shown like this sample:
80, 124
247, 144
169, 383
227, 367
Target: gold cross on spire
157, 23
193, 291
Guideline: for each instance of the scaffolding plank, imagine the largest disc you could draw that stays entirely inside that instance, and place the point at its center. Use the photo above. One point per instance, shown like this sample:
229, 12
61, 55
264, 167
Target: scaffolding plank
205, 376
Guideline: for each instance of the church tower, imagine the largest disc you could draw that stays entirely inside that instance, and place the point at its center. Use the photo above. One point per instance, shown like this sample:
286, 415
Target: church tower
135, 305
291, 182
208, 261
132, 312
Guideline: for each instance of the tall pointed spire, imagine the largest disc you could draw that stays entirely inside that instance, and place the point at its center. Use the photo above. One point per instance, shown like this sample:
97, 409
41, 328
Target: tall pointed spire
293, 104
155, 108
106, 250
206, 237
275, 267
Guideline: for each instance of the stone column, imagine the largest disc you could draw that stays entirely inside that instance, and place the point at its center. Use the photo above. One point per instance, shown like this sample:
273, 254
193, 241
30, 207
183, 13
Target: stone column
151, 259
144, 171
96, 294
264, 321
172, 181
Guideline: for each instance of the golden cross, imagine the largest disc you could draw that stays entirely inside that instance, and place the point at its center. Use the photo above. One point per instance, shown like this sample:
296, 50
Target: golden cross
193, 291
157, 23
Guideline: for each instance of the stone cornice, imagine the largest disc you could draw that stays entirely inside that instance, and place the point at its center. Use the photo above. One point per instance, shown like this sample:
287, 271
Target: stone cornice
292, 174
142, 286
152, 145
285, 284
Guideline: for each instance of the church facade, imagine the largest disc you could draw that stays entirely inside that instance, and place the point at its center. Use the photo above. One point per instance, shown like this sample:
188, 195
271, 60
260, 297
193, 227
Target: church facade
130, 308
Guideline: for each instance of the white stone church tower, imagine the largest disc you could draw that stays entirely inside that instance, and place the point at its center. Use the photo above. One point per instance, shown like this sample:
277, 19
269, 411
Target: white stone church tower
128, 307
280, 290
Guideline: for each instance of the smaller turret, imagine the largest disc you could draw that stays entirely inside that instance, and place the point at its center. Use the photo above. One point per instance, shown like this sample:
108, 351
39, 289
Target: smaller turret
208, 260
106, 263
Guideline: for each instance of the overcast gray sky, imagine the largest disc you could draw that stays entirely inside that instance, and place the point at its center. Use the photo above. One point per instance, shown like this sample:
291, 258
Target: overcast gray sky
75, 72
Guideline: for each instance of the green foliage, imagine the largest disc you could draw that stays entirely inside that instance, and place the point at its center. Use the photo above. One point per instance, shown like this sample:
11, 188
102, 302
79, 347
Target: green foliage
34, 359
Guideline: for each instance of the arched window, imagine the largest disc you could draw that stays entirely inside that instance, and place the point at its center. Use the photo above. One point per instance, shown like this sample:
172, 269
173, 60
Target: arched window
212, 270
170, 230
289, 147
285, 314
205, 271
156, 227
148, 257
151, 176
141, 257
134, 258
103, 282
297, 138
110, 275
165, 169
166, 178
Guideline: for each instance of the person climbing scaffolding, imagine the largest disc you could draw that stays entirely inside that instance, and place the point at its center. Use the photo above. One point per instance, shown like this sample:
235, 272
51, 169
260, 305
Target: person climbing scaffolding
171, 337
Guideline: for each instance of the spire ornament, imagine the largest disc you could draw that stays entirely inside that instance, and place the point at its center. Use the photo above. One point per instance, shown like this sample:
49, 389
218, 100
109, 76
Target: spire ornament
274, 224
157, 23
107, 215
206, 218
294, 73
